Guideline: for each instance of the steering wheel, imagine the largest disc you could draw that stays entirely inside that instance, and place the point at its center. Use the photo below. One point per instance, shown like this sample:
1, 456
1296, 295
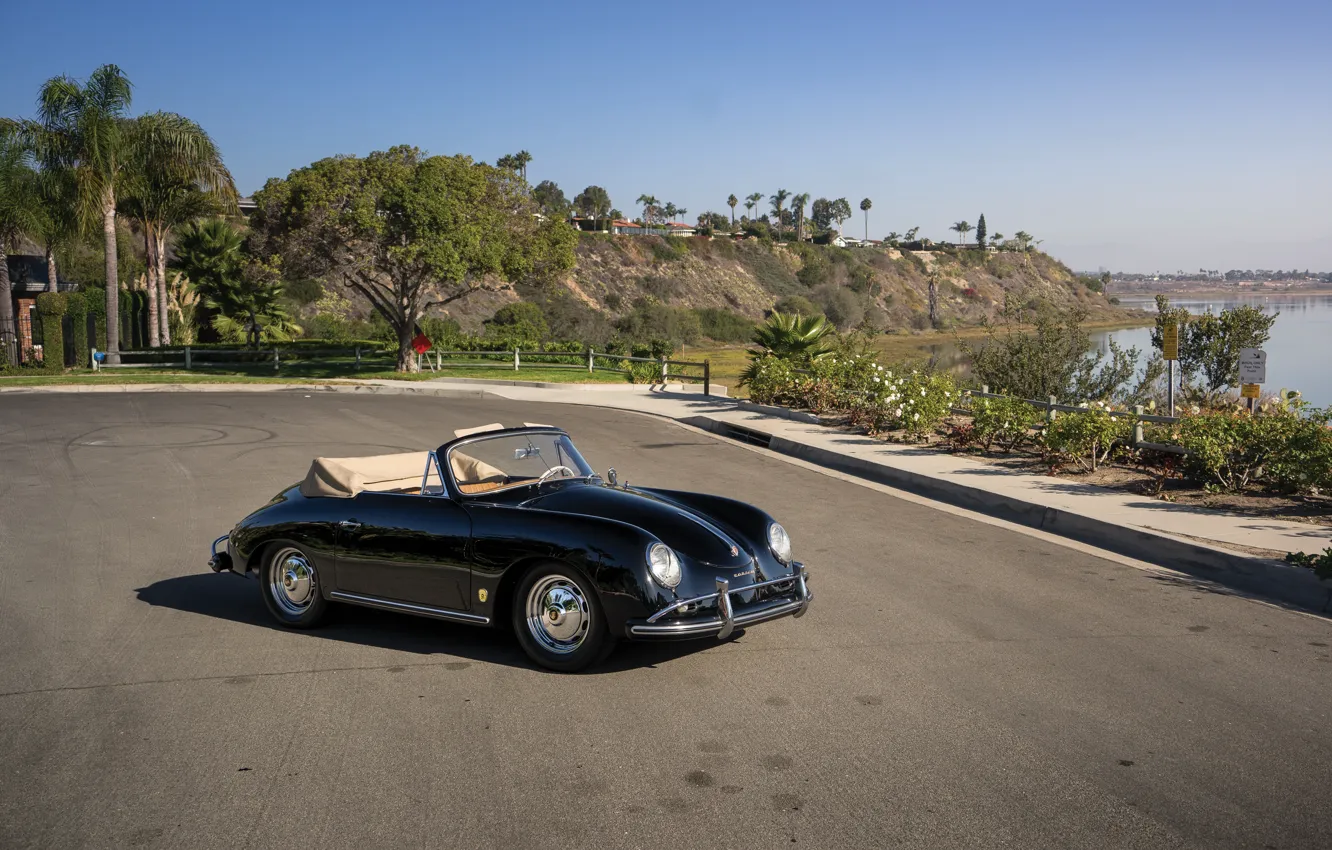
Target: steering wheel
554, 469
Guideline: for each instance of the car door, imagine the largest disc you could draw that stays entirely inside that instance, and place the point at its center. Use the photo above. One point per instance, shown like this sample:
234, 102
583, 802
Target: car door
408, 548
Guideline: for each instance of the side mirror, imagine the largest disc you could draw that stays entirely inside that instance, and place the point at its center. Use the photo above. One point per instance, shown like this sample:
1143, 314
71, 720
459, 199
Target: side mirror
611, 477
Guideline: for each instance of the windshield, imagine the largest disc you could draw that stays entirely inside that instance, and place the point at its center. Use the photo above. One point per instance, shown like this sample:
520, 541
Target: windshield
494, 463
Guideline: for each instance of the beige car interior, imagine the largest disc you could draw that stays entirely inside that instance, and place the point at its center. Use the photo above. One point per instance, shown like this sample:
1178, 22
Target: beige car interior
344, 477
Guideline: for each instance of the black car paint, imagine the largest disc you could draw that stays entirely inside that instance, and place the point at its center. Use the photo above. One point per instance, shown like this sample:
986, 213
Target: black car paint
450, 551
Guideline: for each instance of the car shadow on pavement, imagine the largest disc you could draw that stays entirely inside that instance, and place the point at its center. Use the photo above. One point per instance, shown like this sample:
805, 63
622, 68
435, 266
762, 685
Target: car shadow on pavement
230, 597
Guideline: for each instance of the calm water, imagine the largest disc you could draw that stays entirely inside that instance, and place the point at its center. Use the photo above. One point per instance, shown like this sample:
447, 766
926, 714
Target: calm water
1299, 352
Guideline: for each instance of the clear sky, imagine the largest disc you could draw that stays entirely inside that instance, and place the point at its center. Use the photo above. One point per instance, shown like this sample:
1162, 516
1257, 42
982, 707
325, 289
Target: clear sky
1133, 136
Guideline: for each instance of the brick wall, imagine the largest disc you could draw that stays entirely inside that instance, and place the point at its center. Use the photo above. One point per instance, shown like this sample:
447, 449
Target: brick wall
23, 310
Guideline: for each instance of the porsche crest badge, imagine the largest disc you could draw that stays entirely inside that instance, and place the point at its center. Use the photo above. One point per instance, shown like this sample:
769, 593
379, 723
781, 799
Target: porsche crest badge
481, 594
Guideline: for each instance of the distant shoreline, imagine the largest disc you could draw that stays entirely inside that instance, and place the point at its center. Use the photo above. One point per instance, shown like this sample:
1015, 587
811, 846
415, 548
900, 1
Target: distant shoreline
1182, 293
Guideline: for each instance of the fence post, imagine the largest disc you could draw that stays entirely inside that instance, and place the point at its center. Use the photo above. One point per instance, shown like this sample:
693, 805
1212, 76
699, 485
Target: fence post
97, 367
707, 377
985, 389
663, 369
276, 360
358, 357
1050, 410
187, 358
515, 360
589, 360
1137, 426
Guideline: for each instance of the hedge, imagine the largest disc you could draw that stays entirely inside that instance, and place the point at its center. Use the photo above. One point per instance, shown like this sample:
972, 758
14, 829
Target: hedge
77, 310
51, 308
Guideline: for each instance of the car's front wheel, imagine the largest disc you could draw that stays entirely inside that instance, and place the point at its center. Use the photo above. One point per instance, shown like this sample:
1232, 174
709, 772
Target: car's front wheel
290, 586
558, 619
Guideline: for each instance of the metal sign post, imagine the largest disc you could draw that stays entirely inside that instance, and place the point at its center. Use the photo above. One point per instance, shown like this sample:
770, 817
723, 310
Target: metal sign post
1170, 351
1252, 372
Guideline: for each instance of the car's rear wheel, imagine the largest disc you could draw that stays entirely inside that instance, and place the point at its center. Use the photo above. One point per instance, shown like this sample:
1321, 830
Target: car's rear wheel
290, 586
558, 619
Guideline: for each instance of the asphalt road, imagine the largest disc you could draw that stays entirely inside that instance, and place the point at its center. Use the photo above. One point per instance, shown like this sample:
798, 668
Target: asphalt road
955, 684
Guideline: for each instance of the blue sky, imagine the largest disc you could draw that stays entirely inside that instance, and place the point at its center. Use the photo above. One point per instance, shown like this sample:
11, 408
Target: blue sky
1134, 136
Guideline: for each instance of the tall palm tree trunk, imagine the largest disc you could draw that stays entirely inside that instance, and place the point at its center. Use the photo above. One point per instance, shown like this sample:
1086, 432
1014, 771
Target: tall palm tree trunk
50, 270
112, 279
8, 332
163, 302
154, 339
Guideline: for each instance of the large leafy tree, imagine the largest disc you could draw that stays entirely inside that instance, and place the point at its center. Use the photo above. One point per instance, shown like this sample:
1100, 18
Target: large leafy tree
841, 211
176, 175
408, 232
20, 216
83, 128
821, 213
593, 202
1209, 344
550, 197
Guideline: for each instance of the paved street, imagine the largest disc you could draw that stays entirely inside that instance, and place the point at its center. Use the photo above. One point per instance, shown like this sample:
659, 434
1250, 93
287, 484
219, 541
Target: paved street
955, 684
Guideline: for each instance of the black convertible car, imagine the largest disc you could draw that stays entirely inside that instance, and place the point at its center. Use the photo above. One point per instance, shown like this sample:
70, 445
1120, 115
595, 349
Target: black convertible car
511, 523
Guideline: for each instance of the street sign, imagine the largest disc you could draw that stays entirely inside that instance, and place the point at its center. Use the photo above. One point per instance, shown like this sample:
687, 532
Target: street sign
1248, 391
1170, 341
1252, 366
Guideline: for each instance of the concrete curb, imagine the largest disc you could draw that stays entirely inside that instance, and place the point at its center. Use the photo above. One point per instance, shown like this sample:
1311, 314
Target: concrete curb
1259, 576
783, 412
365, 389
718, 390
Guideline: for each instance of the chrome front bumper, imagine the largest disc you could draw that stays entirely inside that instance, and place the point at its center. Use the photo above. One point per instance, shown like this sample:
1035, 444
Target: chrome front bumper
728, 620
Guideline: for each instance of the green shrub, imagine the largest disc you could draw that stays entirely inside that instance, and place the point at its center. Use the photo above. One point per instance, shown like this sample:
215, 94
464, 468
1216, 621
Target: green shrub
1086, 438
1006, 421
796, 305
1321, 564
77, 309
51, 308
1275, 447
722, 325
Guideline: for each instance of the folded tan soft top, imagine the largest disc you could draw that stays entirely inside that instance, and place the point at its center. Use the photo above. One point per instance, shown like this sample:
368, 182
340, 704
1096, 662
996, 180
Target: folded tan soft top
344, 477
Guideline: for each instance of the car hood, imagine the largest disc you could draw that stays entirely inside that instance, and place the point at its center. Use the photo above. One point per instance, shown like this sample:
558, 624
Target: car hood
687, 531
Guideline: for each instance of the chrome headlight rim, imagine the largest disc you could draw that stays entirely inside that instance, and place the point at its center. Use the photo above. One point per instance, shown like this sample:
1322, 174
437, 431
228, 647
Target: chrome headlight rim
663, 565
779, 542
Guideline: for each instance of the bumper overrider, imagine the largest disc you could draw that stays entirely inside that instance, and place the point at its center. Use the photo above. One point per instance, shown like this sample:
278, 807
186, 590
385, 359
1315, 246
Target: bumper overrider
667, 624
221, 561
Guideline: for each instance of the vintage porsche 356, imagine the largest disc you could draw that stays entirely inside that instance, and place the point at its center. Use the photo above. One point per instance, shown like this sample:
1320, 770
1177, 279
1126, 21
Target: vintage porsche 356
511, 524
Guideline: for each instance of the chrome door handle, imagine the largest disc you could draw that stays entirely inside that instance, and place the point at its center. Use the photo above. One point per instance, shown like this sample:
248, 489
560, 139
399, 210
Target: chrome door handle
349, 525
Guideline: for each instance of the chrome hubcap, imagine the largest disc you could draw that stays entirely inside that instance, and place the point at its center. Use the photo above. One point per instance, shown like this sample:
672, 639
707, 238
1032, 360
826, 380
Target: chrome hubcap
557, 614
292, 582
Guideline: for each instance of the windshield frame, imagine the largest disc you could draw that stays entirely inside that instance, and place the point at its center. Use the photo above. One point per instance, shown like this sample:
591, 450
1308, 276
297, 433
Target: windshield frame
444, 454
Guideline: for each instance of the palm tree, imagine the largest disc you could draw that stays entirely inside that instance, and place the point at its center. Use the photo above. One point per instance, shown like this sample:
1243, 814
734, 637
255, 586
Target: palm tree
962, 228
731, 202
83, 128
59, 225
778, 200
798, 339
670, 210
754, 201
798, 207
20, 215
865, 205
682, 213
649, 203
176, 176
520, 160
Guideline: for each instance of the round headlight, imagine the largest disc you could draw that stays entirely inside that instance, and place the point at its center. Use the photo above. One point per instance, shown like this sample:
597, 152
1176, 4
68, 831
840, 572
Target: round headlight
663, 564
780, 543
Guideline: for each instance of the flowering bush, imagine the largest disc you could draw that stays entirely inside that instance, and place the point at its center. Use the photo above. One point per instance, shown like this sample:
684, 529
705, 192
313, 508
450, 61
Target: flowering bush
1085, 438
1004, 420
916, 403
1231, 450
773, 380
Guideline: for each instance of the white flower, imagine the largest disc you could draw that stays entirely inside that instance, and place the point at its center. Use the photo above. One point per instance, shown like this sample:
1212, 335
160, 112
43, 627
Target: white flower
876, 379
1197, 409
898, 413
922, 392
917, 416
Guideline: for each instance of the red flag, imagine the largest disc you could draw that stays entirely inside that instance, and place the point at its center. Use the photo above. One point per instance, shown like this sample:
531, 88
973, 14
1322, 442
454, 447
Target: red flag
421, 345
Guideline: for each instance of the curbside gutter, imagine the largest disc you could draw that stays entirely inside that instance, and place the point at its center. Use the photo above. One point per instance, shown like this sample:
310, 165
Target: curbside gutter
1260, 576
